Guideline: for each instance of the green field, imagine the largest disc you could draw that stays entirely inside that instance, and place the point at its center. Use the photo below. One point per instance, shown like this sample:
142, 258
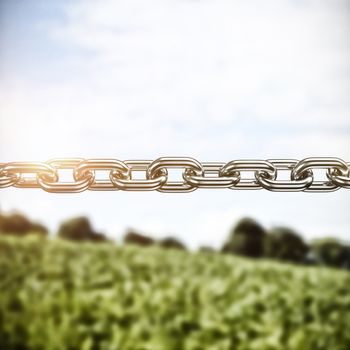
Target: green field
60, 295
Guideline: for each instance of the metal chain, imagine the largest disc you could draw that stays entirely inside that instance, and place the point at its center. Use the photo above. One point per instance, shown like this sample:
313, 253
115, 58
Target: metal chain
195, 174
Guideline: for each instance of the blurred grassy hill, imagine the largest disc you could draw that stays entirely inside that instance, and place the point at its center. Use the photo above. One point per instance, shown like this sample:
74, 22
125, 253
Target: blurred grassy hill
55, 294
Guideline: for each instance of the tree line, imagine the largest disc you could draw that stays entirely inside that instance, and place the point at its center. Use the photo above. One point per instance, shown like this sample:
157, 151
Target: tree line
247, 238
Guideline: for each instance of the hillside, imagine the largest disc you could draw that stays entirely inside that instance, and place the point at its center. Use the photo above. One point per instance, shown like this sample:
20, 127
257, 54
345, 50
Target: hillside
60, 295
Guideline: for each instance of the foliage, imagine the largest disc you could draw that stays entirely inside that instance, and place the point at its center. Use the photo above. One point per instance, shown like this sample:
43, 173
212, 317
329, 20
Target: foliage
206, 249
79, 229
246, 238
285, 244
19, 225
133, 237
329, 251
171, 243
58, 295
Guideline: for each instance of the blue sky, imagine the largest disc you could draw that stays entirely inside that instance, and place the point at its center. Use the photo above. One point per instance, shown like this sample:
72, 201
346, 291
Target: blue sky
215, 80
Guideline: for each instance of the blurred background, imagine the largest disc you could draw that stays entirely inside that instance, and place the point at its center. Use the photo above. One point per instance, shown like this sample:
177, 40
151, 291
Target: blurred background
214, 80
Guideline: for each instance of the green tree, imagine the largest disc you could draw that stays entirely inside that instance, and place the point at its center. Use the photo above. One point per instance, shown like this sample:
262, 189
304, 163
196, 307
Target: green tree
331, 252
79, 229
19, 225
246, 238
171, 243
285, 244
133, 237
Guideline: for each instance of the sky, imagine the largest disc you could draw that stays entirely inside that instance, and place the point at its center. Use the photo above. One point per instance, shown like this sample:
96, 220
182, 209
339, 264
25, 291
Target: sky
214, 80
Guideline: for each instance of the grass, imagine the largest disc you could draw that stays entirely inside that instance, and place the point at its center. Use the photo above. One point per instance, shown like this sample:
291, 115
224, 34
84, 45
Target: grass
61, 295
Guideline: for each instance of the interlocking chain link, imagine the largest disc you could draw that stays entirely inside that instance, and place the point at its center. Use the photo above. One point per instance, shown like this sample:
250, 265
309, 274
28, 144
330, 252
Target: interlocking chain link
264, 174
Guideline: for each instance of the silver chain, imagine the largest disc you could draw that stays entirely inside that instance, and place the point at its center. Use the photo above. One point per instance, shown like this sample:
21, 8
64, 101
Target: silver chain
263, 174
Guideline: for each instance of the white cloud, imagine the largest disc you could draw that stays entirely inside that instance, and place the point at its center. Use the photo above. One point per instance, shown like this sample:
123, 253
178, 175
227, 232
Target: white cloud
216, 80
218, 60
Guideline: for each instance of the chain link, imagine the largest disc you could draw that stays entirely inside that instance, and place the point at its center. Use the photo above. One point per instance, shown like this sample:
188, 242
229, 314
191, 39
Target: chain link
78, 185
295, 185
260, 168
338, 177
127, 183
265, 175
306, 166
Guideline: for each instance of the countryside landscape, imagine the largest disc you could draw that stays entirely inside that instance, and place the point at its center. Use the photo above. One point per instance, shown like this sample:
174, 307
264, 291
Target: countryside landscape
257, 92
80, 290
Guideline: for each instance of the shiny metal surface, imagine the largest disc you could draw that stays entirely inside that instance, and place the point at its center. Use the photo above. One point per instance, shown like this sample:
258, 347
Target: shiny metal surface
195, 174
